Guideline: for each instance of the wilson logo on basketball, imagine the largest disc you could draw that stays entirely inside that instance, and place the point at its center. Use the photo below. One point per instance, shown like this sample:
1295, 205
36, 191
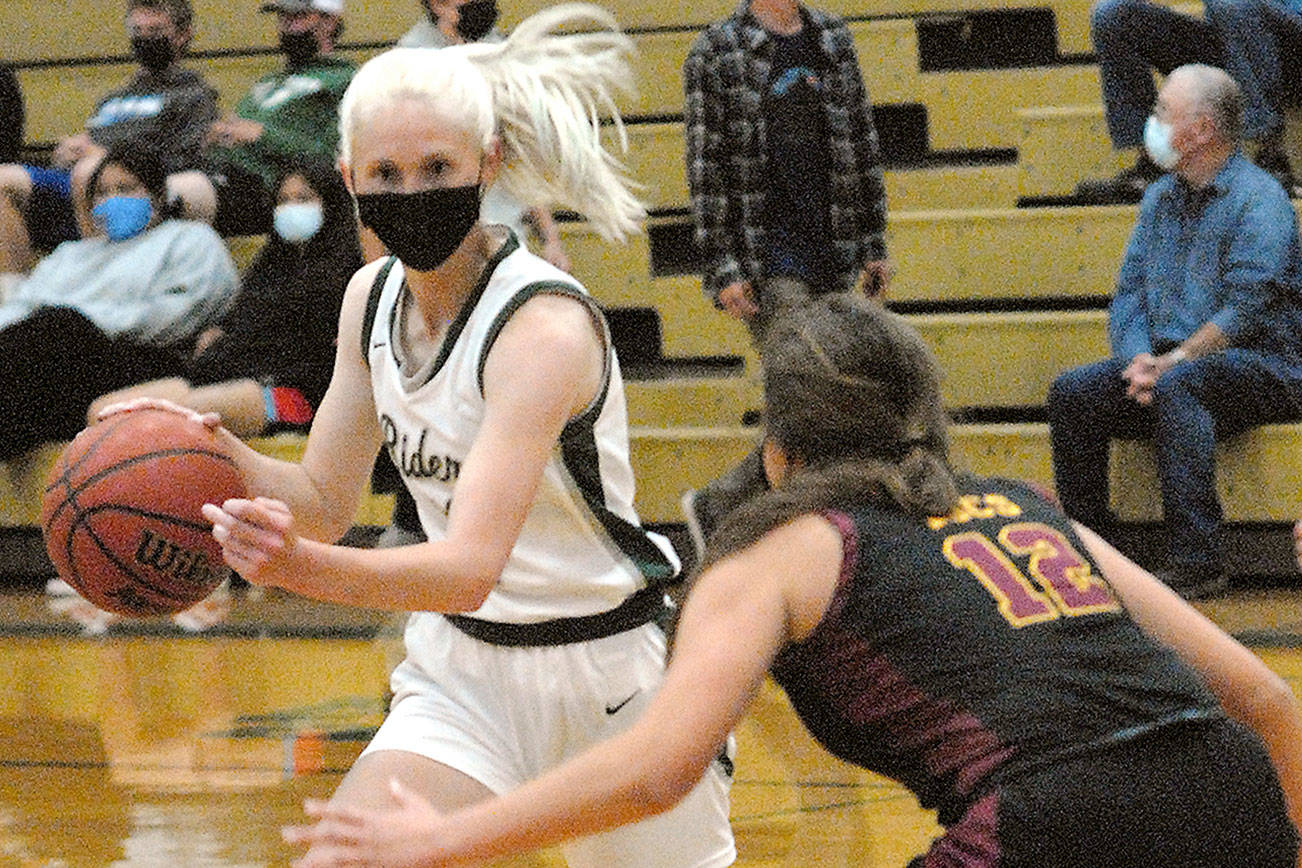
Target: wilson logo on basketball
187, 565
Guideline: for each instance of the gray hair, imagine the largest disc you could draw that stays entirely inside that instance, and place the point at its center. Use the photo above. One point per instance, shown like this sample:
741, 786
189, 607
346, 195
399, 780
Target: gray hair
1218, 96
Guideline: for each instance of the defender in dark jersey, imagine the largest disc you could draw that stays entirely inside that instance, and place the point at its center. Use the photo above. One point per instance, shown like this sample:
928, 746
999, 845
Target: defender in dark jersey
1052, 701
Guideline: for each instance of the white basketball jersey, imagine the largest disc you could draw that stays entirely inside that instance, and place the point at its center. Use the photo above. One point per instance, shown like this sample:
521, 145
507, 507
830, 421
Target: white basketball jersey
581, 550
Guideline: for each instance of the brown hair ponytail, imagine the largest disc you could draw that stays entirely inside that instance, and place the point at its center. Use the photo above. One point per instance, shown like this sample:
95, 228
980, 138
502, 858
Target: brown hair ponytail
852, 393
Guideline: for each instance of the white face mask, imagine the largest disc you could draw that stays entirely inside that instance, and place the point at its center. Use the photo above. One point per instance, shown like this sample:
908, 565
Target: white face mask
1157, 141
296, 222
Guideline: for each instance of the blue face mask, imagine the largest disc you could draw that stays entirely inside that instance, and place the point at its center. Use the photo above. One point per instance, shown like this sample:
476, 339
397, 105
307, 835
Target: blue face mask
123, 217
296, 222
1157, 141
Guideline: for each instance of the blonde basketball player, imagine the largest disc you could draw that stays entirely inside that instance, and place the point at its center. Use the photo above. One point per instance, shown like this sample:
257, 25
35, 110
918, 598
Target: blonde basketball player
489, 376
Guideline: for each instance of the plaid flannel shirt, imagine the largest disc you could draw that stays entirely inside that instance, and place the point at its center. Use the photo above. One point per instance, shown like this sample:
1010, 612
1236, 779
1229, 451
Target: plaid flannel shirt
725, 76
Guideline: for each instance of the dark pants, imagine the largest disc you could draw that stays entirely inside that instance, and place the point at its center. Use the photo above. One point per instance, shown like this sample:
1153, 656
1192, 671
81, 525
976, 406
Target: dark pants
1196, 795
1194, 404
53, 364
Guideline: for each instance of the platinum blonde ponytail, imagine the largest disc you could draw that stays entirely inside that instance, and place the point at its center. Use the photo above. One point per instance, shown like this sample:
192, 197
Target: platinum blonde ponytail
543, 91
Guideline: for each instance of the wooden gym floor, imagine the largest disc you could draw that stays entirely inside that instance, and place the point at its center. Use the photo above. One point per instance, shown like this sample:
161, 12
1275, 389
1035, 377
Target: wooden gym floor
148, 746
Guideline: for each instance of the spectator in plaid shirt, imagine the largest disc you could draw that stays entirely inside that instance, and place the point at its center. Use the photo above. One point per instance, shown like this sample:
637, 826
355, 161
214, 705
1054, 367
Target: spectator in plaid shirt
785, 177
782, 159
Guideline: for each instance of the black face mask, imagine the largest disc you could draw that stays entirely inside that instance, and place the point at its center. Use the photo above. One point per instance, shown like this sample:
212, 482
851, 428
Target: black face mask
299, 47
154, 53
421, 229
476, 18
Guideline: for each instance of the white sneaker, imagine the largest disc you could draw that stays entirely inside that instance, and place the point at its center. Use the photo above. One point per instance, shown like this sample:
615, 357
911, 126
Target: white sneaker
57, 587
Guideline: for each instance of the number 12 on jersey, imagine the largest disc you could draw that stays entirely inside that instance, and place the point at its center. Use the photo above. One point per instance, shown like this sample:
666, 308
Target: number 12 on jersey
1062, 582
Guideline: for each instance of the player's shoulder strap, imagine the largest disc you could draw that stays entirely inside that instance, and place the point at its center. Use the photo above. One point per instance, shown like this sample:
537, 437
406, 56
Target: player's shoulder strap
373, 305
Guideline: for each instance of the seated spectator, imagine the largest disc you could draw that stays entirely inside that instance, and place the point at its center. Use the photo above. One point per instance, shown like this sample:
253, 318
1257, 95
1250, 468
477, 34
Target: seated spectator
109, 310
11, 115
286, 114
266, 365
1205, 327
455, 22
163, 107
1248, 38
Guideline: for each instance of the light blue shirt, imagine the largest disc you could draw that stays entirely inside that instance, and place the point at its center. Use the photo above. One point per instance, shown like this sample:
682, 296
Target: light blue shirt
1226, 254
161, 287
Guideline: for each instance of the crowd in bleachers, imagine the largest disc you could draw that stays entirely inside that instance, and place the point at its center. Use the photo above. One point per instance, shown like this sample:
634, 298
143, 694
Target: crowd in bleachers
785, 180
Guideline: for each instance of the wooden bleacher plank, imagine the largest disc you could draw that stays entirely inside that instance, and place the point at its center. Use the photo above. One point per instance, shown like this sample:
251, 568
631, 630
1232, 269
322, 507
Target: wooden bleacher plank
655, 160
1258, 476
1031, 253
686, 401
658, 71
691, 326
669, 460
951, 255
888, 59
1072, 16
1060, 145
1010, 359
978, 109
1018, 450
22, 482
41, 29
59, 100
951, 188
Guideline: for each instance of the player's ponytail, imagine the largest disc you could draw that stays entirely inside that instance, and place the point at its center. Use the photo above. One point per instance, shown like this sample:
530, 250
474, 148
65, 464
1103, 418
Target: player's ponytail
852, 393
544, 92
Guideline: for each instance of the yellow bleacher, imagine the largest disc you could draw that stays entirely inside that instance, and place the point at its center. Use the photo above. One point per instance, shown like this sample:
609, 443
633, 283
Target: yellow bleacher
980, 277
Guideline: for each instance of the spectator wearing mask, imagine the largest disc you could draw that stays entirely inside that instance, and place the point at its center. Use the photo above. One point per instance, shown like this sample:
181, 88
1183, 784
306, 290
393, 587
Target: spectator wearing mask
163, 107
1250, 39
115, 308
286, 114
1205, 328
265, 367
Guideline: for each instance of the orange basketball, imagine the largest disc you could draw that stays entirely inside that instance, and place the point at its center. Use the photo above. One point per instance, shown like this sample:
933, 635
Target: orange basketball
121, 512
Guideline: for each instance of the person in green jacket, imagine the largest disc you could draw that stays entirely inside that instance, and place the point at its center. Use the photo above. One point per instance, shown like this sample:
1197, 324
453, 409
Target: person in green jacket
285, 115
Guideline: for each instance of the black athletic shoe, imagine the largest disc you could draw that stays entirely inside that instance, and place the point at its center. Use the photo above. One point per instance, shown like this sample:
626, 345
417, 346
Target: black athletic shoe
1124, 188
1194, 582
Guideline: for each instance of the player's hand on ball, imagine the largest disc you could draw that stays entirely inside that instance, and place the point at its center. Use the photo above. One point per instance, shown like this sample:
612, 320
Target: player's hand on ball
257, 537
404, 835
208, 420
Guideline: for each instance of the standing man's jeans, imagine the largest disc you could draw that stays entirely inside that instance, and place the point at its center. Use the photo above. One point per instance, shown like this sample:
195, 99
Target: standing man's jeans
1251, 39
1194, 404
1259, 42
1131, 39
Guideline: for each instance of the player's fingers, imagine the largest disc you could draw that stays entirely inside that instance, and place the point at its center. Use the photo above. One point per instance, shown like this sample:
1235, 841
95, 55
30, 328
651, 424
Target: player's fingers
248, 538
262, 511
274, 507
324, 810
242, 555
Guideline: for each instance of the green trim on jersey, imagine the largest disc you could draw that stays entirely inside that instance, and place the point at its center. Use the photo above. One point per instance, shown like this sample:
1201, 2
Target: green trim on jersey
373, 307
509, 246
579, 452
